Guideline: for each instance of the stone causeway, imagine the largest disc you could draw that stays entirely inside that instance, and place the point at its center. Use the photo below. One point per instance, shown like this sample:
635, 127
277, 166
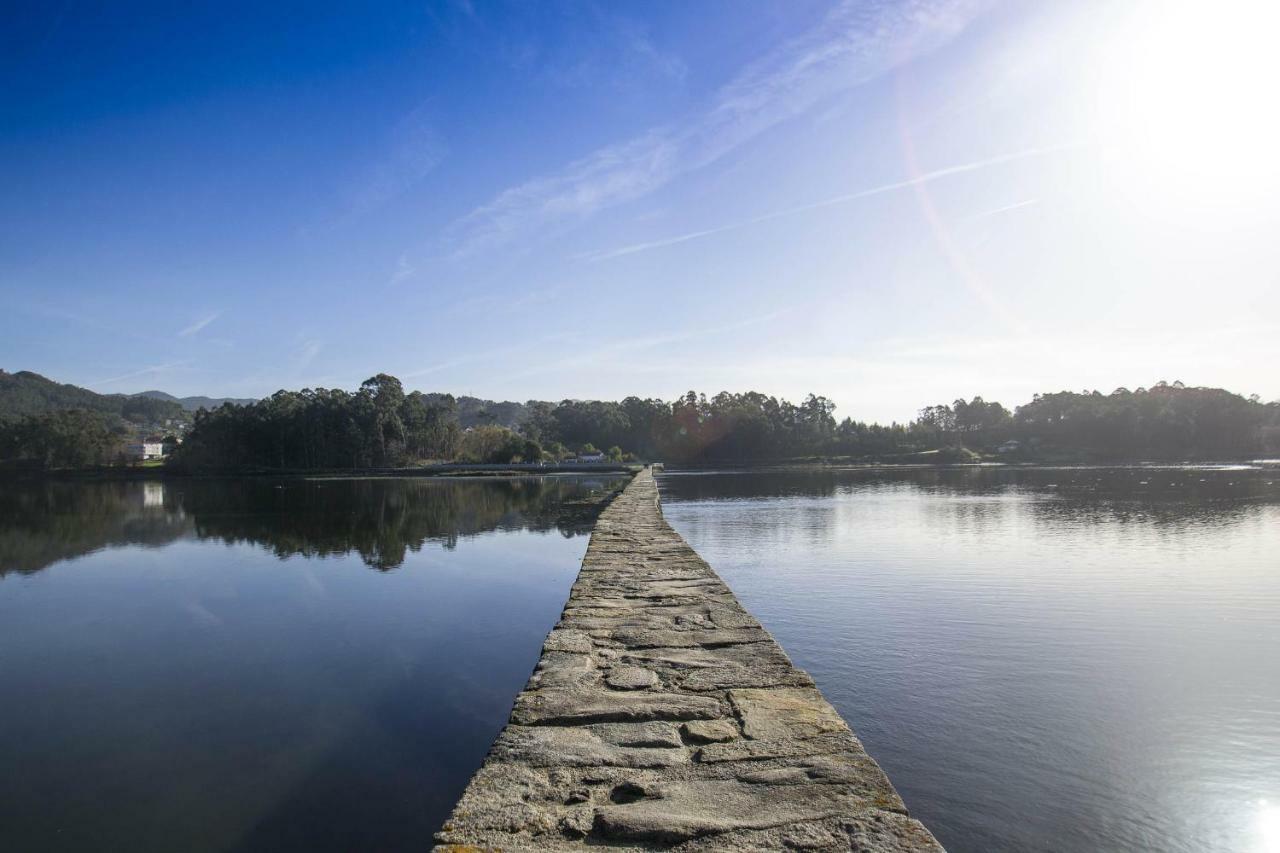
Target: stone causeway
662, 716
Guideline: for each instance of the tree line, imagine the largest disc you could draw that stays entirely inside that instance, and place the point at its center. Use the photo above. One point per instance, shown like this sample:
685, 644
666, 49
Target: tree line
72, 438
1164, 421
380, 425
386, 427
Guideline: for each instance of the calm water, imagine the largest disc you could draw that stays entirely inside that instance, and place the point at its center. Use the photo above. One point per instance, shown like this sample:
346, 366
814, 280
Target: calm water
1047, 660
258, 665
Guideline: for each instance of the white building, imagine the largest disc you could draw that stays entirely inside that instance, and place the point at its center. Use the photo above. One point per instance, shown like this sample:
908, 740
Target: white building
145, 450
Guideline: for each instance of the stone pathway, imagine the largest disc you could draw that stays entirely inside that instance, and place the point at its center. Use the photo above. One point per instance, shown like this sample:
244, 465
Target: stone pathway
661, 716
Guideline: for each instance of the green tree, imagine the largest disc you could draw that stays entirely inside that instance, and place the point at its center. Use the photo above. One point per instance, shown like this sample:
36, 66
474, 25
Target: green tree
491, 445
386, 396
70, 438
532, 451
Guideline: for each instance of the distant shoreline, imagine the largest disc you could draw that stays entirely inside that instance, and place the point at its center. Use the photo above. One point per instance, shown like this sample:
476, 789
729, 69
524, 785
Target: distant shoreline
986, 461
516, 470
811, 465
442, 470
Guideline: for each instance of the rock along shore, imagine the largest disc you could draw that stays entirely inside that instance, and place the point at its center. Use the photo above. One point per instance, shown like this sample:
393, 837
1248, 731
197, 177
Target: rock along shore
661, 716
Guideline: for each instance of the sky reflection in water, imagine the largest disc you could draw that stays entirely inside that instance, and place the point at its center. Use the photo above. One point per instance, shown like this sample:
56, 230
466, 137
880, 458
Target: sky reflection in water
266, 665
1065, 660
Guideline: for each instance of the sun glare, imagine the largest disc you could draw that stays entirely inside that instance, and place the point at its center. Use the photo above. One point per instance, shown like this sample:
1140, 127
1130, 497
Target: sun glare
1187, 100
1269, 827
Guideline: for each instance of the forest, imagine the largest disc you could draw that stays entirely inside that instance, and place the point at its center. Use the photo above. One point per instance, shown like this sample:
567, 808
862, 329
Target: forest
377, 426
381, 426
1166, 421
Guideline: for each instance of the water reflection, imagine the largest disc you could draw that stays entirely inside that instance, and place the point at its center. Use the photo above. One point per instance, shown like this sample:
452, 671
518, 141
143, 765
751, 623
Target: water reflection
1072, 659
217, 671
1191, 485
977, 498
381, 520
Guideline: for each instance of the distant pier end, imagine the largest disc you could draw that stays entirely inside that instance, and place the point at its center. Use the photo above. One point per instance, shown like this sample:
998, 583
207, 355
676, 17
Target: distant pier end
662, 716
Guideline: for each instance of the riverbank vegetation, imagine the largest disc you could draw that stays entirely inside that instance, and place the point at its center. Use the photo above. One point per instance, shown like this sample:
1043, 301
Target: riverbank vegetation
381, 426
74, 438
47, 424
377, 426
1164, 421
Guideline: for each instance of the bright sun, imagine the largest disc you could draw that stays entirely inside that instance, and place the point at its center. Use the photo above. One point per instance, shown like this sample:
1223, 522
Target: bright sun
1187, 97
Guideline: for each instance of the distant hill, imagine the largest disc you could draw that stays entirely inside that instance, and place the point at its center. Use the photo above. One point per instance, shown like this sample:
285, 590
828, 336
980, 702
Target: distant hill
191, 404
27, 393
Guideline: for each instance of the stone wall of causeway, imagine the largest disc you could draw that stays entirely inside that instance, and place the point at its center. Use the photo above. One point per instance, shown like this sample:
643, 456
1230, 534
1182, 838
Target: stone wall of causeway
662, 716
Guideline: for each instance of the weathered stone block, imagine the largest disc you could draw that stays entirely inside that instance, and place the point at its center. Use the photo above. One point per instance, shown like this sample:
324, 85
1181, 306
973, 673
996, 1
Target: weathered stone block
631, 678
784, 713
546, 707
709, 731
683, 810
575, 746
663, 735
578, 642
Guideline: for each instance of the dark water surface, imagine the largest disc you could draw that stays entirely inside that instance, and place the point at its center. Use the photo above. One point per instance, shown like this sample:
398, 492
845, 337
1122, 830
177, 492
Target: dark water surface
1042, 660
240, 665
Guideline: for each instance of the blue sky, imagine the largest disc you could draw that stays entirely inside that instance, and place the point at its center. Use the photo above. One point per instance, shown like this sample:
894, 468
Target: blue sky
890, 203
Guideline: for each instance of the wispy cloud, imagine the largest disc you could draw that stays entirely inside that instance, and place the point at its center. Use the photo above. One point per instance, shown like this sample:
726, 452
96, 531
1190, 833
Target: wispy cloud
596, 45
639, 44
447, 364
99, 322
497, 302
406, 154
404, 270
607, 51
609, 176
856, 42
199, 324
482, 355
146, 371
629, 346
306, 353
1006, 208
576, 351
843, 198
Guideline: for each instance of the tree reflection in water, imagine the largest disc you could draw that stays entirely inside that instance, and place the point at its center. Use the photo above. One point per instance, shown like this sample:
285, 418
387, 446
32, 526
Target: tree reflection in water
381, 519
